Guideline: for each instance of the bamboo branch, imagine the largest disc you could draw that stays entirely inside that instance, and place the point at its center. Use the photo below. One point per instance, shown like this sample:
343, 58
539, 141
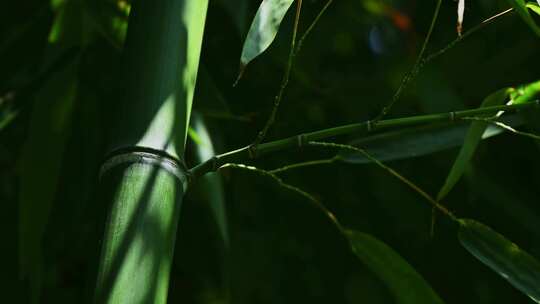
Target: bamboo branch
305, 164
392, 172
359, 128
502, 126
412, 73
465, 35
289, 187
284, 82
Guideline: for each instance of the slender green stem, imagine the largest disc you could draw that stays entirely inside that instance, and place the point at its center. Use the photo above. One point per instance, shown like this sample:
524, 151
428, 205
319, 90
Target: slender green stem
273, 176
289, 187
311, 26
503, 126
305, 164
391, 171
284, 82
359, 128
412, 73
465, 35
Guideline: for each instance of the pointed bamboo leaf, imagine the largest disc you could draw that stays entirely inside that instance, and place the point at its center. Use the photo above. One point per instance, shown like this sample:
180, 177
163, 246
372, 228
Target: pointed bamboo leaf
210, 183
474, 135
406, 285
263, 29
41, 162
521, 8
534, 7
519, 268
527, 93
418, 141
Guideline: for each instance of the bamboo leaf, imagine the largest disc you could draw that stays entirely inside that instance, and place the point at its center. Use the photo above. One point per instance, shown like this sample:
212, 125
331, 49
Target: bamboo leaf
71, 25
263, 29
534, 7
406, 285
527, 93
41, 162
519, 268
521, 8
418, 141
211, 183
472, 139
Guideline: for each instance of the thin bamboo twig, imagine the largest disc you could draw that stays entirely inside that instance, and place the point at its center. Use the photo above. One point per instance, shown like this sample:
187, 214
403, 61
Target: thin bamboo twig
362, 128
273, 176
471, 31
305, 164
311, 26
503, 126
392, 172
284, 82
289, 187
416, 67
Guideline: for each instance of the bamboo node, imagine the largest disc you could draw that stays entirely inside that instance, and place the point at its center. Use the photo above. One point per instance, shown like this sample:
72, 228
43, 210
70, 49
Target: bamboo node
215, 162
452, 116
145, 156
369, 125
252, 151
301, 140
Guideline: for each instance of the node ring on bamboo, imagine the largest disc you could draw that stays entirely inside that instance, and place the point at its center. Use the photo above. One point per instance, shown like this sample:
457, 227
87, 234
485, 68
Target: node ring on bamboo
144, 155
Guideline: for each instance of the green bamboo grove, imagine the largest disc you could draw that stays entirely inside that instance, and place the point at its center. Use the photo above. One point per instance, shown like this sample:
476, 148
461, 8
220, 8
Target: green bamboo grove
144, 177
270, 151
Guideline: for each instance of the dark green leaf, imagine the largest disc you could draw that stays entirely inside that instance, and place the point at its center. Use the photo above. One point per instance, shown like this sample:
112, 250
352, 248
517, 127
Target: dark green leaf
210, 183
264, 28
41, 162
521, 8
406, 285
504, 257
71, 24
474, 135
418, 141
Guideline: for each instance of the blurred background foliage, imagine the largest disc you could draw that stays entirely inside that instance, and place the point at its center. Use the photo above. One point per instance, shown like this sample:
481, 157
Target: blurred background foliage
58, 82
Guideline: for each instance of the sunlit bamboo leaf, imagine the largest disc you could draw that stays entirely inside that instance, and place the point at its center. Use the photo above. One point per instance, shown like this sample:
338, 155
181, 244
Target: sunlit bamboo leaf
40, 163
418, 141
472, 139
519, 268
405, 284
525, 93
521, 8
528, 93
211, 183
263, 29
534, 7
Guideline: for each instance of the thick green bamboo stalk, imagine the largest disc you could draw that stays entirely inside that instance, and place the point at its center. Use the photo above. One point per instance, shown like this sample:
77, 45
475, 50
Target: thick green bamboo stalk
143, 178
